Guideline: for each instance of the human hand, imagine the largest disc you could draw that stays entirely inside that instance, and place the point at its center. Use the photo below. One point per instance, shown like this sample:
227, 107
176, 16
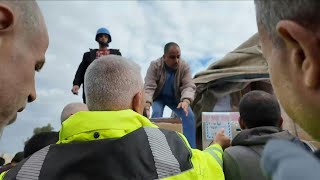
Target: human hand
75, 89
146, 112
184, 105
222, 139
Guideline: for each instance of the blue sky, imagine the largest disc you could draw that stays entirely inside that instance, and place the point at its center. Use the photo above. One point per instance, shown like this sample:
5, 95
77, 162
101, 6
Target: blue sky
205, 31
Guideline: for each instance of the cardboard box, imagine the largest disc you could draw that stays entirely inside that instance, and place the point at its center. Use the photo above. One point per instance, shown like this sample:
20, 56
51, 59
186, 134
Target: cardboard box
173, 124
212, 122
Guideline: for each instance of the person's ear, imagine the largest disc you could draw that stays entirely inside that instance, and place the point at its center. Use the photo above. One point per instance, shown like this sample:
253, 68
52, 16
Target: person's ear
280, 122
241, 123
6, 17
137, 104
164, 56
6, 21
303, 46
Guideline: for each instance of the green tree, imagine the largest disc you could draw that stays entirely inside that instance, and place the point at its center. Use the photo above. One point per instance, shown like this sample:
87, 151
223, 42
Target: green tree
37, 130
47, 128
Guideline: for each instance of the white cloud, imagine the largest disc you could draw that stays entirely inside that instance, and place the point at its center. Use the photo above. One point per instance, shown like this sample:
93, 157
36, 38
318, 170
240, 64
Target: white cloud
203, 29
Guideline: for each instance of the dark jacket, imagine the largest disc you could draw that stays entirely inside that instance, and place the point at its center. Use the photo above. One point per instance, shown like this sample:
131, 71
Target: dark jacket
6, 167
87, 59
131, 147
242, 160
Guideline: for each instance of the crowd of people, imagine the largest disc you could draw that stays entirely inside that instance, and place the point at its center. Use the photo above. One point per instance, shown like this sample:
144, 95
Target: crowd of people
110, 135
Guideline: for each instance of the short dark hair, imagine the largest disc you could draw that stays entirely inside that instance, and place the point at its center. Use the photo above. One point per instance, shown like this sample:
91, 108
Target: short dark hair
168, 46
19, 156
259, 108
270, 12
40, 141
2, 161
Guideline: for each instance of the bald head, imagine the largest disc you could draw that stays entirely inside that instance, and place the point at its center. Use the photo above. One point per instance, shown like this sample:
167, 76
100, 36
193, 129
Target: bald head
23, 43
71, 109
112, 83
28, 16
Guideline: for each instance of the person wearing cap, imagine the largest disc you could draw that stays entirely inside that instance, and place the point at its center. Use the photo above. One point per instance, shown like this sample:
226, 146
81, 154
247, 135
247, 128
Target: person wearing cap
103, 37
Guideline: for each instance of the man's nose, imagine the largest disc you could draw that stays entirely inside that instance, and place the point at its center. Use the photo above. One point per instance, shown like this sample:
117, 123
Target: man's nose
32, 96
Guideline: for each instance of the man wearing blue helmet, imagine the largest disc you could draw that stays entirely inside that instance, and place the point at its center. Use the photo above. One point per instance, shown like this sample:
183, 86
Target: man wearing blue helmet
103, 37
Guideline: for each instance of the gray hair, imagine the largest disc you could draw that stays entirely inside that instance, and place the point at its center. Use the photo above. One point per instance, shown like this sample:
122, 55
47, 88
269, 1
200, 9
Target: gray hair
71, 109
111, 82
270, 12
29, 15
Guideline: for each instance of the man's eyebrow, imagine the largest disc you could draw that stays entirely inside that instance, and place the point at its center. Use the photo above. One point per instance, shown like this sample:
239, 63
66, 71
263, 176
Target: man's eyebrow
39, 64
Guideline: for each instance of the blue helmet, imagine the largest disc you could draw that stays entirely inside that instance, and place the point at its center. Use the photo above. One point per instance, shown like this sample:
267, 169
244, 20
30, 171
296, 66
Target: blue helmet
103, 31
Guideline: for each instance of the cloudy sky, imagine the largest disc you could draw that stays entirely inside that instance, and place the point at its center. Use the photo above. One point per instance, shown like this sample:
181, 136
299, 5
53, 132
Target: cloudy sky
205, 31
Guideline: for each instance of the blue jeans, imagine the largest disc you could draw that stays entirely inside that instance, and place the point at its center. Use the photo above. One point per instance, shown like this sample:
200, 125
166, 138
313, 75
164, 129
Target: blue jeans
188, 123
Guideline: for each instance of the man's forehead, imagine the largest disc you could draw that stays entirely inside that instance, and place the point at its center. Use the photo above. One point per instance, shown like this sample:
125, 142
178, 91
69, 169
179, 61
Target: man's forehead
40, 44
174, 49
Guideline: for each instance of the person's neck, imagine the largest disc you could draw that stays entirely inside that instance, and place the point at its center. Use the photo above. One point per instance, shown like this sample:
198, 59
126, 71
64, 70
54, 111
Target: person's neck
168, 67
103, 48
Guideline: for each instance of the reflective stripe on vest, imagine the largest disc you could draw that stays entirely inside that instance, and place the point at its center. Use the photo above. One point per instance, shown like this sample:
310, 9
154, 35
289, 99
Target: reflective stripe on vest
31, 168
165, 162
214, 155
151, 153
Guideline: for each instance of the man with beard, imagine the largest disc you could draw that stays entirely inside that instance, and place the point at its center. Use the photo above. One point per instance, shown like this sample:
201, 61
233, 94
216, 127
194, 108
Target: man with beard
103, 37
